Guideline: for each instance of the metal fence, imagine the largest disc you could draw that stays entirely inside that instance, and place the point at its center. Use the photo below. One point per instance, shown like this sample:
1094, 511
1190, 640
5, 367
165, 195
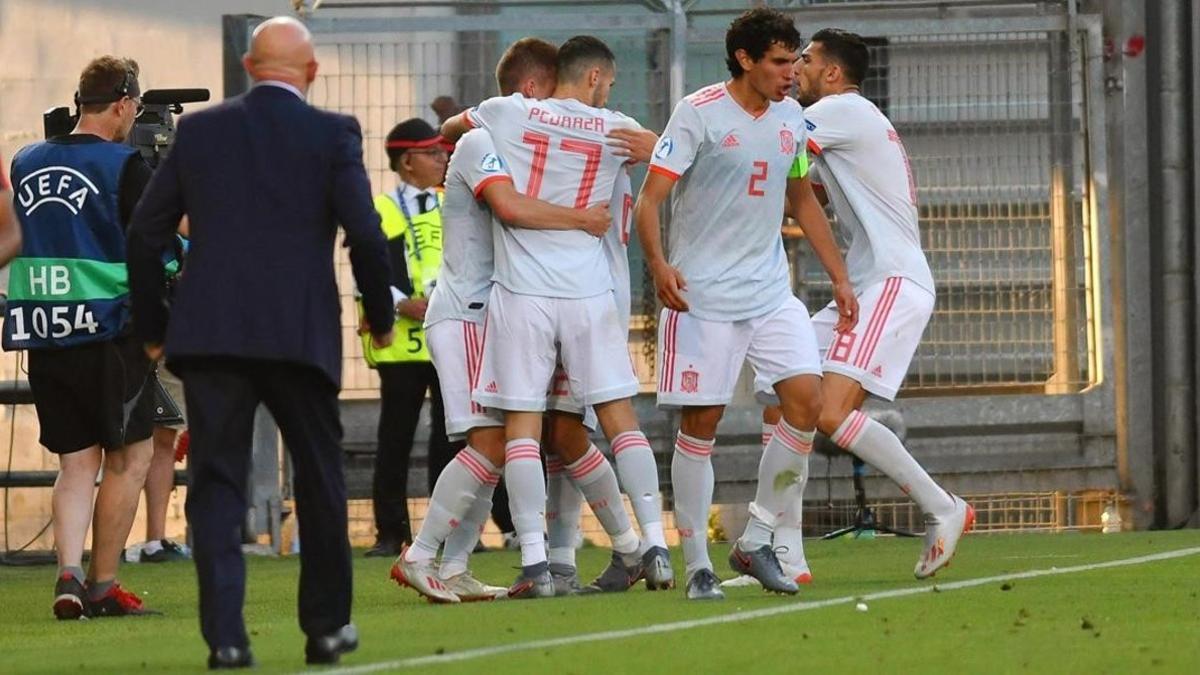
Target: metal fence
993, 127
383, 78
1000, 107
994, 122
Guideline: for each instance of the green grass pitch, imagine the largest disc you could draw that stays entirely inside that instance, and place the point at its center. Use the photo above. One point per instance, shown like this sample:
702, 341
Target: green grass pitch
1141, 618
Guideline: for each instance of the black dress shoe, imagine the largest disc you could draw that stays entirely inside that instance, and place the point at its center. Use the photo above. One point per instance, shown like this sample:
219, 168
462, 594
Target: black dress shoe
384, 548
329, 648
224, 658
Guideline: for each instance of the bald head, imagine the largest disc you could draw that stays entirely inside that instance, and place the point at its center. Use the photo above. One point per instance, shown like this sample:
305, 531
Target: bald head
282, 50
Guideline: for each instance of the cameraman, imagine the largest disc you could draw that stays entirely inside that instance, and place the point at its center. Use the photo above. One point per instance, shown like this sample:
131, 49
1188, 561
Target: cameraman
69, 306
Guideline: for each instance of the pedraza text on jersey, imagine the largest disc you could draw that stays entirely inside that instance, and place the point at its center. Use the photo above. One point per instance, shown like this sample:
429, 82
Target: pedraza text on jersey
553, 119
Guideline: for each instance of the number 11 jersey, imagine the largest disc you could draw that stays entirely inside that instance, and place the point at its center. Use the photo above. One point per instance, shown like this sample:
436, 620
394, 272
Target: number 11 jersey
727, 208
556, 152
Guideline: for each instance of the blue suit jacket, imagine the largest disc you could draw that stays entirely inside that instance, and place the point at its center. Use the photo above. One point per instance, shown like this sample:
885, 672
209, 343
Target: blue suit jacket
264, 179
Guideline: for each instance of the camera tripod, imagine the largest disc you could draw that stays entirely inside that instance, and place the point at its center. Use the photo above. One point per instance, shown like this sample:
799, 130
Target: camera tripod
864, 516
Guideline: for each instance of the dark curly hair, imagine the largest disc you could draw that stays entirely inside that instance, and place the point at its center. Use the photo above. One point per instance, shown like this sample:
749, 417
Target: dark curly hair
755, 31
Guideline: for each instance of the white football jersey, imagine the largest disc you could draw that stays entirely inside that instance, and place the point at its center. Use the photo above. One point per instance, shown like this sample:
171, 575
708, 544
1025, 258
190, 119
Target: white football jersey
466, 275
727, 207
616, 245
864, 168
555, 150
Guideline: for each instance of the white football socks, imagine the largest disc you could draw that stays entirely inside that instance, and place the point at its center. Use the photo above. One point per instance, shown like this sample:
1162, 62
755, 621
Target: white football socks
639, 477
782, 474
564, 503
876, 445
789, 533
526, 497
692, 479
456, 552
453, 495
594, 477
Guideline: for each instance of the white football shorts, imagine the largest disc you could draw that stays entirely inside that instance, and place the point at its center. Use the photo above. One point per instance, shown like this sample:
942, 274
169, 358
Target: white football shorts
524, 337
892, 316
699, 361
456, 348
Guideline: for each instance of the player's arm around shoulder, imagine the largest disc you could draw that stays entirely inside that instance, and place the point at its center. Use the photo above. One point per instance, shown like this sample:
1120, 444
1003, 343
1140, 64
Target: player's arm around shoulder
516, 209
480, 167
486, 115
454, 127
632, 141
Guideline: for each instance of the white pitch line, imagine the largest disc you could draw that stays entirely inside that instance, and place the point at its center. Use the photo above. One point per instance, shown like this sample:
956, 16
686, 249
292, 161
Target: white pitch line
483, 652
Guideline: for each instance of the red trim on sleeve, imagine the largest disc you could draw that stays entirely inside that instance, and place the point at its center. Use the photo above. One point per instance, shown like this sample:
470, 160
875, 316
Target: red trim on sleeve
488, 181
470, 122
663, 171
813, 147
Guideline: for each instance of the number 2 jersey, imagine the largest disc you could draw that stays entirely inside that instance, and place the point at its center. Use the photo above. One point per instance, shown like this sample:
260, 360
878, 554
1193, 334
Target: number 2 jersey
860, 160
727, 207
555, 150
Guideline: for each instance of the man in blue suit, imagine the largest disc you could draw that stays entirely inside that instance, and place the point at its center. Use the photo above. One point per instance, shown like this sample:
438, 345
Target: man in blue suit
264, 179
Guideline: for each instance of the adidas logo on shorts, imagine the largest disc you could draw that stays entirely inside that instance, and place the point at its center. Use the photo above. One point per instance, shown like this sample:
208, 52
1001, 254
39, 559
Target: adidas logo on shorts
491, 387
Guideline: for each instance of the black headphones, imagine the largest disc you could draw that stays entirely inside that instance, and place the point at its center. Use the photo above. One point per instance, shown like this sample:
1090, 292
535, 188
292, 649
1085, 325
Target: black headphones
127, 87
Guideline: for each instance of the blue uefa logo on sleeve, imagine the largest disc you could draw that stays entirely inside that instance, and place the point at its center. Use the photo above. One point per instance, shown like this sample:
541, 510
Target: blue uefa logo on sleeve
491, 163
665, 147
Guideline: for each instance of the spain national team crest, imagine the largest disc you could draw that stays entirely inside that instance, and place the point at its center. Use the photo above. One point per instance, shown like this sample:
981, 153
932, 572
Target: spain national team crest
787, 142
689, 381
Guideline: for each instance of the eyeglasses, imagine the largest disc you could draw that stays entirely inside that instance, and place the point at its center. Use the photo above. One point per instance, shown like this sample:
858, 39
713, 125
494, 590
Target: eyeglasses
140, 107
435, 152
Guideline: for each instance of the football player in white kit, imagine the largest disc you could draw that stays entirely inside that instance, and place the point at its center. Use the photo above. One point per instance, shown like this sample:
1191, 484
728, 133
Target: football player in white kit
553, 297
862, 166
478, 187
635, 461
734, 152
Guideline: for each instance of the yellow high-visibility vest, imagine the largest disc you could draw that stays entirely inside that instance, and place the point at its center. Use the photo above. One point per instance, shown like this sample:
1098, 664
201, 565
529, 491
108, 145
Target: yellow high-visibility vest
422, 235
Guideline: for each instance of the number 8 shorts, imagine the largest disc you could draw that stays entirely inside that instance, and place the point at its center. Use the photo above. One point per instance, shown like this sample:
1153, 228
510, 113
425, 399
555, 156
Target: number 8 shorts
892, 315
699, 361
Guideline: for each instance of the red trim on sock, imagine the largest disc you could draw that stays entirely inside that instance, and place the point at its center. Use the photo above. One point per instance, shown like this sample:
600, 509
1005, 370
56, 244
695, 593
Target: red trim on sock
627, 440
789, 436
591, 461
478, 470
691, 447
851, 431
